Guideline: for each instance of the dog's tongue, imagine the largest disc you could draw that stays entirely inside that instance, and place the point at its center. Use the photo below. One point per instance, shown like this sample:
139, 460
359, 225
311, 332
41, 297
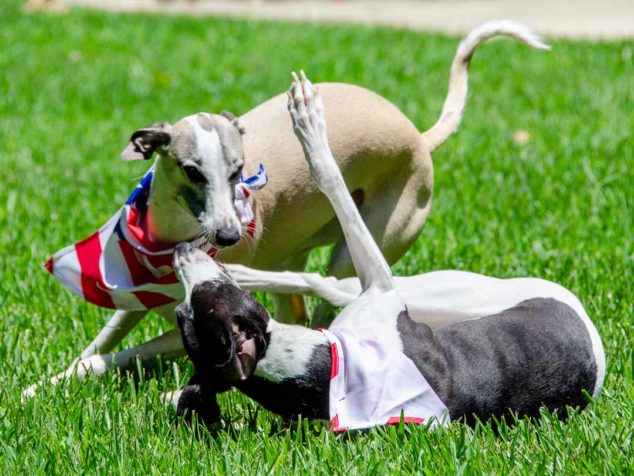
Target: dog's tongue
246, 359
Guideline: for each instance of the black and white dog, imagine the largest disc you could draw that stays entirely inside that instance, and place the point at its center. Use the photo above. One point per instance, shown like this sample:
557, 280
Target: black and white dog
495, 346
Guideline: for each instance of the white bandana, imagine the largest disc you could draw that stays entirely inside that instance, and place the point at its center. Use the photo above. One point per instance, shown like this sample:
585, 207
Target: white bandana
372, 385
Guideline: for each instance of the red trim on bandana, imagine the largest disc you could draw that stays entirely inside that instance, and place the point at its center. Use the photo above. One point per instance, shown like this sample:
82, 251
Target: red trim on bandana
49, 265
251, 228
334, 425
334, 370
397, 420
334, 357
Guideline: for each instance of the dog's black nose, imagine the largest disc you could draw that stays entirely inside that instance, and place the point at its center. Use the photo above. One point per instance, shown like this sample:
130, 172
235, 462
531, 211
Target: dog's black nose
227, 237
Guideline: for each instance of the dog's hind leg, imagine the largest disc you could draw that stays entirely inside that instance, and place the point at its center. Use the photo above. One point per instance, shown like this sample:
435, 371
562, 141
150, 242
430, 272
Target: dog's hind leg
309, 124
291, 308
332, 290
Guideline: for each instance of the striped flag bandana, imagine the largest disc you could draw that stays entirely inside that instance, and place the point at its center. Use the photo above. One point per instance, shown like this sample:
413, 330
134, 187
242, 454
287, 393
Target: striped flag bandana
119, 267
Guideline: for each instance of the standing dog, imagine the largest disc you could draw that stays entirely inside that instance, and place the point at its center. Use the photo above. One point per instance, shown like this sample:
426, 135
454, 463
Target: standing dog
534, 347
200, 158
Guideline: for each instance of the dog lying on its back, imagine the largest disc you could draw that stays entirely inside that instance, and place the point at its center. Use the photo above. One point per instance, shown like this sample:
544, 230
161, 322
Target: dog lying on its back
375, 364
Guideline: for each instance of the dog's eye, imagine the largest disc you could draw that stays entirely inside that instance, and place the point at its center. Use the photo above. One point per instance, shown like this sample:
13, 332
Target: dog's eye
193, 174
236, 175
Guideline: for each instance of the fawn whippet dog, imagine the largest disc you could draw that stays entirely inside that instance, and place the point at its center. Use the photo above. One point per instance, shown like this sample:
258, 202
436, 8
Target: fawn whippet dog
506, 346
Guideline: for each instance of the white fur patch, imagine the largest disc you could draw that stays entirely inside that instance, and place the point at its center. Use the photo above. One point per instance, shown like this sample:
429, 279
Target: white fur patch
196, 267
289, 351
219, 208
208, 142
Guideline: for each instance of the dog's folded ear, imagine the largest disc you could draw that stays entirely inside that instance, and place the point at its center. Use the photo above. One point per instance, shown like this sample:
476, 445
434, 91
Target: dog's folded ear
234, 121
144, 142
185, 321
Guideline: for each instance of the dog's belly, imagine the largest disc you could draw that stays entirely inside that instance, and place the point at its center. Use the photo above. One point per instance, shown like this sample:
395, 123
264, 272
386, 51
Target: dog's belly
536, 354
438, 298
378, 150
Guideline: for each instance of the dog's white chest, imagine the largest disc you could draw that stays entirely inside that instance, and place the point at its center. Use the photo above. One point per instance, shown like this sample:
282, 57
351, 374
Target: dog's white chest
374, 315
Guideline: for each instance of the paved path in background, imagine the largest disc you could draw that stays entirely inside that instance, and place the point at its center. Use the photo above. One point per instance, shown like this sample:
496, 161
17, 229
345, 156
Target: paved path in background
587, 19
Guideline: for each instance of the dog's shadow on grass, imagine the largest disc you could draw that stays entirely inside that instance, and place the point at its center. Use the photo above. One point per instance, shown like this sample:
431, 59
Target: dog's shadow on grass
242, 418
237, 427
239, 413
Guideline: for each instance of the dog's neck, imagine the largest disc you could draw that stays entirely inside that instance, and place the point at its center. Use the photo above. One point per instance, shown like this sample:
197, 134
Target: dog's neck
168, 219
293, 377
289, 352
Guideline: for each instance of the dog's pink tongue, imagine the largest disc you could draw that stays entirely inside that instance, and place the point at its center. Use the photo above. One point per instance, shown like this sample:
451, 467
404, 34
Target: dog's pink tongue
246, 356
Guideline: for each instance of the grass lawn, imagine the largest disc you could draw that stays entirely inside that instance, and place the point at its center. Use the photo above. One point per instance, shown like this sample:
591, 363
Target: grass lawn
73, 88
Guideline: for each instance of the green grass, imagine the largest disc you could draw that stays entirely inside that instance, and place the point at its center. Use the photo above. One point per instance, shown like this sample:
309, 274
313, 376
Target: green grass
72, 89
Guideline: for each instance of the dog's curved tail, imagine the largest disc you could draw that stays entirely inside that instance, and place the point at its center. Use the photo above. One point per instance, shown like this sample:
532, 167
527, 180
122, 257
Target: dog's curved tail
456, 98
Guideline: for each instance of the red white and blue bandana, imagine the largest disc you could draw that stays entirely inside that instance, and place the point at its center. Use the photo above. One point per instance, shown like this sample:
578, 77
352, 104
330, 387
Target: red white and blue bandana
119, 267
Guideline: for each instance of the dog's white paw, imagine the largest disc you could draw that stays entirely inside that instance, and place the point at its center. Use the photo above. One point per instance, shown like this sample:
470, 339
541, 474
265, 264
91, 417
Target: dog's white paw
29, 392
80, 368
170, 399
309, 124
307, 112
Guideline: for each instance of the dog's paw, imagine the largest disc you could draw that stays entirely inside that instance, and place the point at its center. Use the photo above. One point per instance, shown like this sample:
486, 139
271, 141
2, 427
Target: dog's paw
309, 124
198, 402
29, 392
307, 114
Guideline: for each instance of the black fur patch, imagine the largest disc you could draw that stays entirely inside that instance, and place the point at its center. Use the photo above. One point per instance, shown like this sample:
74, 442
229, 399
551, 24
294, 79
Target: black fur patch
198, 400
217, 316
147, 140
214, 307
306, 395
536, 354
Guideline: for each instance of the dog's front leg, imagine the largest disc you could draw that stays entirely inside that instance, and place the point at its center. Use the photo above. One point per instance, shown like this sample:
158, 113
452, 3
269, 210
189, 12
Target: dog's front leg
167, 346
119, 325
309, 123
115, 330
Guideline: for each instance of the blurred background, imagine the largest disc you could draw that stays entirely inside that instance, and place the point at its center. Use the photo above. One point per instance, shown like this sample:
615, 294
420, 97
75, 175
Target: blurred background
587, 19
537, 181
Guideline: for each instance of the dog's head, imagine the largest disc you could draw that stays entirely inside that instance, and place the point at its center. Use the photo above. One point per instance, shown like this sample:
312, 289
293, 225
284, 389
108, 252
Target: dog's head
224, 329
203, 158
